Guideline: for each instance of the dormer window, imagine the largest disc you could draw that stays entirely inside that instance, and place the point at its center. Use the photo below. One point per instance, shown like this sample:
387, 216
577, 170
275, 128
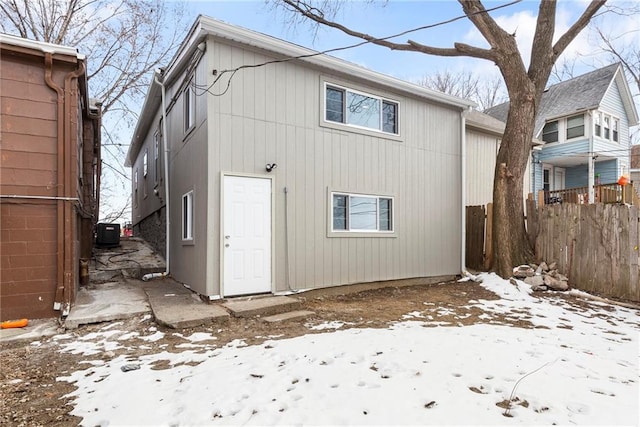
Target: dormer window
550, 132
575, 126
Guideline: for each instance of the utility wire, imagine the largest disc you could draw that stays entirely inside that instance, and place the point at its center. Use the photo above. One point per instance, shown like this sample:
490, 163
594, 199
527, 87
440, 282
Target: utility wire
233, 71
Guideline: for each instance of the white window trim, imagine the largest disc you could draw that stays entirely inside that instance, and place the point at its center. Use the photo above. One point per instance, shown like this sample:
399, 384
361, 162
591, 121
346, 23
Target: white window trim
189, 108
347, 126
584, 127
156, 157
187, 217
358, 232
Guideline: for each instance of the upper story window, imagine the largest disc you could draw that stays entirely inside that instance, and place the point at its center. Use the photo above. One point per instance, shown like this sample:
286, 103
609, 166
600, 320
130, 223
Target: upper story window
361, 213
616, 125
360, 109
550, 132
575, 126
135, 188
597, 125
189, 106
610, 128
607, 127
144, 164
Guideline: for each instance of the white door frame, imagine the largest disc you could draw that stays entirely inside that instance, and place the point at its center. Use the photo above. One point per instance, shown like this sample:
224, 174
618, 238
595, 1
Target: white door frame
221, 235
556, 173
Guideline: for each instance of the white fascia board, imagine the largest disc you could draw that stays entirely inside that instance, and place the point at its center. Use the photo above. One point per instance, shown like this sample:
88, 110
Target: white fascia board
205, 26
40, 46
149, 108
627, 98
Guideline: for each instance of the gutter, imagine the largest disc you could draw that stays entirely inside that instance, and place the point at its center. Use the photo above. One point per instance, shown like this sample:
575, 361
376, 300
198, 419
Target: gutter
167, 199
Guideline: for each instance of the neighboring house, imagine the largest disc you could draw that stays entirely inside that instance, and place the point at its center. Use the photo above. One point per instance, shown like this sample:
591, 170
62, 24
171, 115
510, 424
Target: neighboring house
300, 174
483, 138
584, 124
49, 176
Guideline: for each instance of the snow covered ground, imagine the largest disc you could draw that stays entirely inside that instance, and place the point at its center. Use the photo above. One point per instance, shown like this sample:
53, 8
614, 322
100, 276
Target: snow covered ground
419, 371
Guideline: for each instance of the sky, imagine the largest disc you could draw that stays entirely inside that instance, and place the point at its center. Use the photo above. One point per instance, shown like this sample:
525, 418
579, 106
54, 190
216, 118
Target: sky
579, 365
387, 18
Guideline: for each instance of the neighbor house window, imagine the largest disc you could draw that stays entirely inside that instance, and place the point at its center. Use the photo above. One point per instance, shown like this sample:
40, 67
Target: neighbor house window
360, 109
616, 124
575, 126
607, 126
144, 163
189, 106
597, 124
187, 216
550, 132
361, 213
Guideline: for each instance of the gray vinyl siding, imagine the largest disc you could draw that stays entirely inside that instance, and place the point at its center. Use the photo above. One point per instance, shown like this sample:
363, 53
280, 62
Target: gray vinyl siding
273, 114
187, 168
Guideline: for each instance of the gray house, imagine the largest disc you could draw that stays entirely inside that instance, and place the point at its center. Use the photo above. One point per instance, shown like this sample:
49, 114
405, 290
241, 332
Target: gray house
274, 169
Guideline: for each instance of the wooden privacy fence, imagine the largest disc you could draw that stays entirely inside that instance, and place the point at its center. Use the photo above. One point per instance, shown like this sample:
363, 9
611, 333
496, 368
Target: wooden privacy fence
596, 246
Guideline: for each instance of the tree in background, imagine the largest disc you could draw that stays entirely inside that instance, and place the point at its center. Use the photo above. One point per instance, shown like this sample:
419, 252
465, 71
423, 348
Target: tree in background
124, 40
525, 86
465, 84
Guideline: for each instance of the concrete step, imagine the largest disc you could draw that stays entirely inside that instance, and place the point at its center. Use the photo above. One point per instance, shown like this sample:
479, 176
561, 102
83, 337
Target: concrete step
175, 306
291, 315
263, 306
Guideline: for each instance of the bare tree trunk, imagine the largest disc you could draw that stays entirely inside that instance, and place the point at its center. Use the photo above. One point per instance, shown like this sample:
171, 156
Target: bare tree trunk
510, 243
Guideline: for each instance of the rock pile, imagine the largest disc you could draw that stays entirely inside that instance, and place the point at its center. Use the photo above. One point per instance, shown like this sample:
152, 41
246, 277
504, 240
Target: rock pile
542, 277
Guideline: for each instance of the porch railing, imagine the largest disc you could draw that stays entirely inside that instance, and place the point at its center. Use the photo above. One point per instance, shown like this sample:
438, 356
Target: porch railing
604, 193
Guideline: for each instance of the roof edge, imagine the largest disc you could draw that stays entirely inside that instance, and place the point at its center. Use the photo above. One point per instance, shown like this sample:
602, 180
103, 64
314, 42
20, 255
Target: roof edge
40, 46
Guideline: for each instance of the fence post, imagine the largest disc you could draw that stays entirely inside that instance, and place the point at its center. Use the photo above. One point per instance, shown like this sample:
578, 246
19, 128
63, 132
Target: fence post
540, 197
488, 239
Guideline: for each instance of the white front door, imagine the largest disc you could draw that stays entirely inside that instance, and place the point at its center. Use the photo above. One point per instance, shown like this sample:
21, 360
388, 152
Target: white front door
246, 235
558, 181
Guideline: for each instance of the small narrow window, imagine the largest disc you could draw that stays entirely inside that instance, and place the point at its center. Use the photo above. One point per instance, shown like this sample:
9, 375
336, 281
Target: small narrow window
156, 157
189, 106
144, 163
135, 188
616, 123
361, 213
187, 216
597, 125
389, 117
575, 126
550, 132
607, 126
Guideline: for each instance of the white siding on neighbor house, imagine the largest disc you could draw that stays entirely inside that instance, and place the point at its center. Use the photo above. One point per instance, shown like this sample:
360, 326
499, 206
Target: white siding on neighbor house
273, 114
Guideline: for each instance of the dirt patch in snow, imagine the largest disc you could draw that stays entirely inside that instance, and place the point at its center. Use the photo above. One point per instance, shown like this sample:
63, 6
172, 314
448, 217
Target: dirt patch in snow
32, 395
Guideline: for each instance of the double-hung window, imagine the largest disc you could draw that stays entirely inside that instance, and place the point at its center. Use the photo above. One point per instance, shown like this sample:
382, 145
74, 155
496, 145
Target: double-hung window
156, 156
550, 132
616, 125
360, 109
361, 213
597, 124
607, 127
187, 216
575, 126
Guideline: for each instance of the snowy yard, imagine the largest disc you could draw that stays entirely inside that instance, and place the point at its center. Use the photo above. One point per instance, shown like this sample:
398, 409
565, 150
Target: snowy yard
576, 366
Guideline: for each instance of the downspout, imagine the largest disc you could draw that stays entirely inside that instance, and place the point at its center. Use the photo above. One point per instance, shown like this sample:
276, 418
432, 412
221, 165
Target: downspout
48, 62
463, 191
167, 199
68, 214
